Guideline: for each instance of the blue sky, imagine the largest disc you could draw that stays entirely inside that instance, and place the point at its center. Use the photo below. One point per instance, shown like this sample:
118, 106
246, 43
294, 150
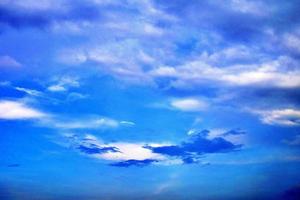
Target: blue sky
149, 99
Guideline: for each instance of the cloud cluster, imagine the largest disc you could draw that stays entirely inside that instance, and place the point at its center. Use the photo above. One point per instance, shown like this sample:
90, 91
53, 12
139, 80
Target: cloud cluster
173, 45
18, 110
124, 154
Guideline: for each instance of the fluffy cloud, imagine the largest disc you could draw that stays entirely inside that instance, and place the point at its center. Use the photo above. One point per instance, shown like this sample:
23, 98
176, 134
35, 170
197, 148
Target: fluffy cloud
284, 117
11, 110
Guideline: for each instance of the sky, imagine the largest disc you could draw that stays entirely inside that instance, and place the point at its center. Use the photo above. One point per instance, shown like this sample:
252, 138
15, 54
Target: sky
149, 99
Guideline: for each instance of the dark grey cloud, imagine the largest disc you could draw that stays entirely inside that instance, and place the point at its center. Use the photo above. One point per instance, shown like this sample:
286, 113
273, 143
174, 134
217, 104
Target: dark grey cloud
138, 163
234, 132
196, 146
94, 149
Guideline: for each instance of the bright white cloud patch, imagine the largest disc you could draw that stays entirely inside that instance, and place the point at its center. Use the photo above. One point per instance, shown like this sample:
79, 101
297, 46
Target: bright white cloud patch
11, 110
189, 104
285, 117
130, 151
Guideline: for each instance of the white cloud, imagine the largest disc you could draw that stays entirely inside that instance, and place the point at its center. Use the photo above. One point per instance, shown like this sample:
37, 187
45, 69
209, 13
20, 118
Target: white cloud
250, 7
63, 84
75, 96
129, 123
11, 110
192, 131
120, 59
275, 73
56, 88
29, 91
189, 104
130, 151
153, 30
126, 150
72, 56
284, 117
70, 27
292, 41
164, 71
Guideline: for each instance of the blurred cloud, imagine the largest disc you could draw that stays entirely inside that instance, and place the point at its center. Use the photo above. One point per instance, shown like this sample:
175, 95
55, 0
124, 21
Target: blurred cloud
8, 62
293, 142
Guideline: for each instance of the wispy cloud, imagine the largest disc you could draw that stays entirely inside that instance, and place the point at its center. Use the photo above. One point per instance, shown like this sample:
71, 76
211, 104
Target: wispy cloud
84, 123
128, 123
63, 84
29, 91
9, 62
265, 74
293, 142
283, 117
